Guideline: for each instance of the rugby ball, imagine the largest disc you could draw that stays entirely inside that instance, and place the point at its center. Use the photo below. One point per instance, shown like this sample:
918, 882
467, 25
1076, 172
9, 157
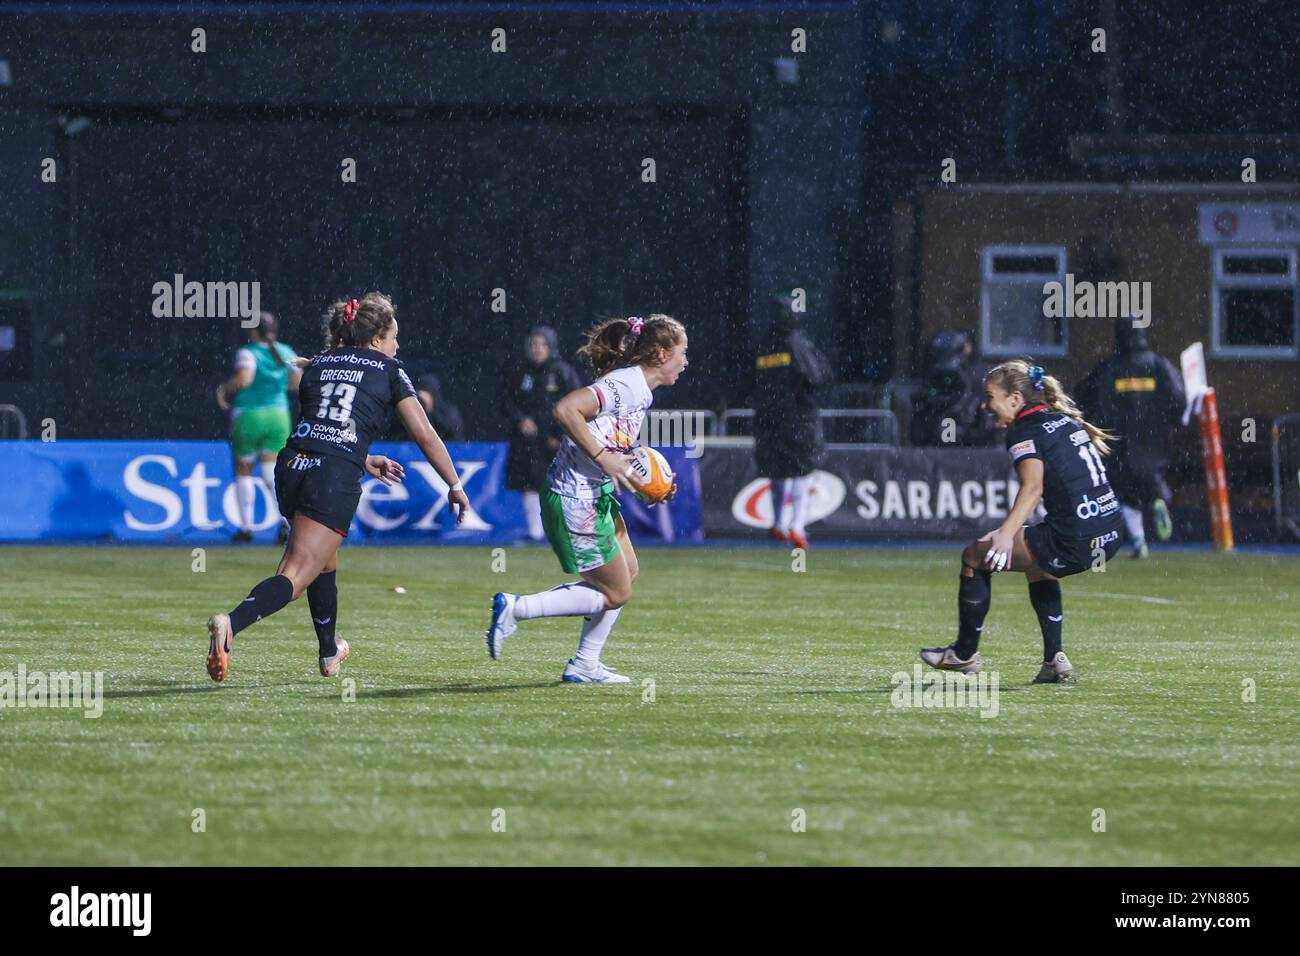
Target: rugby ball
649, 471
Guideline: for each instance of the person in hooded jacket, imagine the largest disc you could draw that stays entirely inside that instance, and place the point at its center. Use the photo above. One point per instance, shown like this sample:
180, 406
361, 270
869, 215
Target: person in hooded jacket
532, 387
1137, 395
788, 439
947, 409
444, 416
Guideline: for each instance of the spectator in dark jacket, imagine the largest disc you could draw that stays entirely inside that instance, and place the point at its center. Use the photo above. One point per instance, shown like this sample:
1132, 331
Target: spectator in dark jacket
532, 387
443, 415
1137, 395
947, 409
788, 441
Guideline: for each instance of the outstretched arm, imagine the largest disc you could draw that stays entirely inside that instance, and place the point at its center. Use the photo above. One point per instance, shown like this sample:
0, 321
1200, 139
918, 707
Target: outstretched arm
411, 412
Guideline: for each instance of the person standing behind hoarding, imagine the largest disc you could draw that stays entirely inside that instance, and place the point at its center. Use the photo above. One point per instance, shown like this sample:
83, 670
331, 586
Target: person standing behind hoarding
788, 439
532, 387
1137, 395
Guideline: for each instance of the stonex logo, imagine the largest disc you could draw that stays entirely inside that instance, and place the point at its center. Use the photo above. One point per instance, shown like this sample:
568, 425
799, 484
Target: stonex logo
75, 909
198, 484
375, 492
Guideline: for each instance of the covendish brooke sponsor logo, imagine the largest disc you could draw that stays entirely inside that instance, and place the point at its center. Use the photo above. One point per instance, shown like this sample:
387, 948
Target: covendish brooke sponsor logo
752, 505
1088, 508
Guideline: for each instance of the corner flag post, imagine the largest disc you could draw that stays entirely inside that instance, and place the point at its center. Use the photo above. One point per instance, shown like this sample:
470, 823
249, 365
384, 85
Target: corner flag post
1202, 398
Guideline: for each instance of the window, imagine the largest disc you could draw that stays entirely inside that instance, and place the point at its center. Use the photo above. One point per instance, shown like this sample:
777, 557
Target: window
1256, 308
1011, 301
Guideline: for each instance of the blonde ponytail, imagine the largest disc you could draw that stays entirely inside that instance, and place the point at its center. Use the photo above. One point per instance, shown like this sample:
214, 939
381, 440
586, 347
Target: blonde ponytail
1019, 375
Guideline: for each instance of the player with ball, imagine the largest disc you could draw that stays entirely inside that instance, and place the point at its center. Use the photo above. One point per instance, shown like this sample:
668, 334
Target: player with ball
631, 358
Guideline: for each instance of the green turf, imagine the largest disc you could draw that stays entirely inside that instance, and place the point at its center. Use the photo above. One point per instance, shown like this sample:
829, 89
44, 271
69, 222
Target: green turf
772, 693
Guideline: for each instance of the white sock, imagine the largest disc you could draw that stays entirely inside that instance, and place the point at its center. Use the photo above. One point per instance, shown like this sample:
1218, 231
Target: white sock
533, 512
777, 491
268, 476
564, 600
802, 490
595, 631
244, 491
1133, 521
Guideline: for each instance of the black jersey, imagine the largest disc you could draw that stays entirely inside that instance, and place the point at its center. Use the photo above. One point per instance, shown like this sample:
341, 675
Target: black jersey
346, 396
1076, 491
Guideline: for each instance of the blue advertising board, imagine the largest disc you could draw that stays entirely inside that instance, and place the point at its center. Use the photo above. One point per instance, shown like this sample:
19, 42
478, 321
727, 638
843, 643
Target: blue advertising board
183, 491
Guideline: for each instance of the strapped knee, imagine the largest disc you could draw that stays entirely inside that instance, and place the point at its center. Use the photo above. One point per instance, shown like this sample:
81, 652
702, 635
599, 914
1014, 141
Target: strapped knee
974, 589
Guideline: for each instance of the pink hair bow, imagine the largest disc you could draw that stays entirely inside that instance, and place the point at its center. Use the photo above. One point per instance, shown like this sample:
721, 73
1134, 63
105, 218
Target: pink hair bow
635, 323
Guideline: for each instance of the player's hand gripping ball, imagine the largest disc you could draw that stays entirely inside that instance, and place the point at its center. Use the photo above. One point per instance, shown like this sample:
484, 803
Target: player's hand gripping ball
649, 471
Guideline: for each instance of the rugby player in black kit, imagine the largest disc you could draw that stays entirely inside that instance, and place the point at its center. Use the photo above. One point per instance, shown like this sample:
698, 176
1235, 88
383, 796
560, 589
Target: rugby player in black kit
1059, 459
346, 393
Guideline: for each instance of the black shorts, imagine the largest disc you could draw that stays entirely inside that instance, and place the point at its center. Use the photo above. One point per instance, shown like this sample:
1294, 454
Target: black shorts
1061, 555
325, 488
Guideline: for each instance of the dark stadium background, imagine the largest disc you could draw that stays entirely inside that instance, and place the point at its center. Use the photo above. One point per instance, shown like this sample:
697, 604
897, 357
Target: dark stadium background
521, 171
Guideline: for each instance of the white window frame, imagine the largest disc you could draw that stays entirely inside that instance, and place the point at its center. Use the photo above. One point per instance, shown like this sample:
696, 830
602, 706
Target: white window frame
989, 278
1220, 280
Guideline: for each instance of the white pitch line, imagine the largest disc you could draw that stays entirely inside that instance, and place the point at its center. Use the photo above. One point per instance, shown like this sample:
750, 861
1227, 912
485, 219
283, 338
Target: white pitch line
1125, 597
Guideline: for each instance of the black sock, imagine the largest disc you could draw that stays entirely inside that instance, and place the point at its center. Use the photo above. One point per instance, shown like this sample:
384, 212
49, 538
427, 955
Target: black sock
323, 598
1045, 596
973, 597
263, 601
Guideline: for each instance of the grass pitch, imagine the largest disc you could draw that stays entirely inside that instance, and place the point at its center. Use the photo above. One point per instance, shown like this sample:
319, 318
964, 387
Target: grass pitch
772, 694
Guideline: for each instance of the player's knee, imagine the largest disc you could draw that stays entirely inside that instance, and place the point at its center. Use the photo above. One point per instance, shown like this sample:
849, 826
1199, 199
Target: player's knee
617, 597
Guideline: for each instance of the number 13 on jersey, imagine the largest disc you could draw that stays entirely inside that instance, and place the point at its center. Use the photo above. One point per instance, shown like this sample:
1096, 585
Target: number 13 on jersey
336, 401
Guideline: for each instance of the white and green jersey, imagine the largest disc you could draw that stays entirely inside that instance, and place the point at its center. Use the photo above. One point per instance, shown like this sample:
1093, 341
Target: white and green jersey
623, 398
270, 378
